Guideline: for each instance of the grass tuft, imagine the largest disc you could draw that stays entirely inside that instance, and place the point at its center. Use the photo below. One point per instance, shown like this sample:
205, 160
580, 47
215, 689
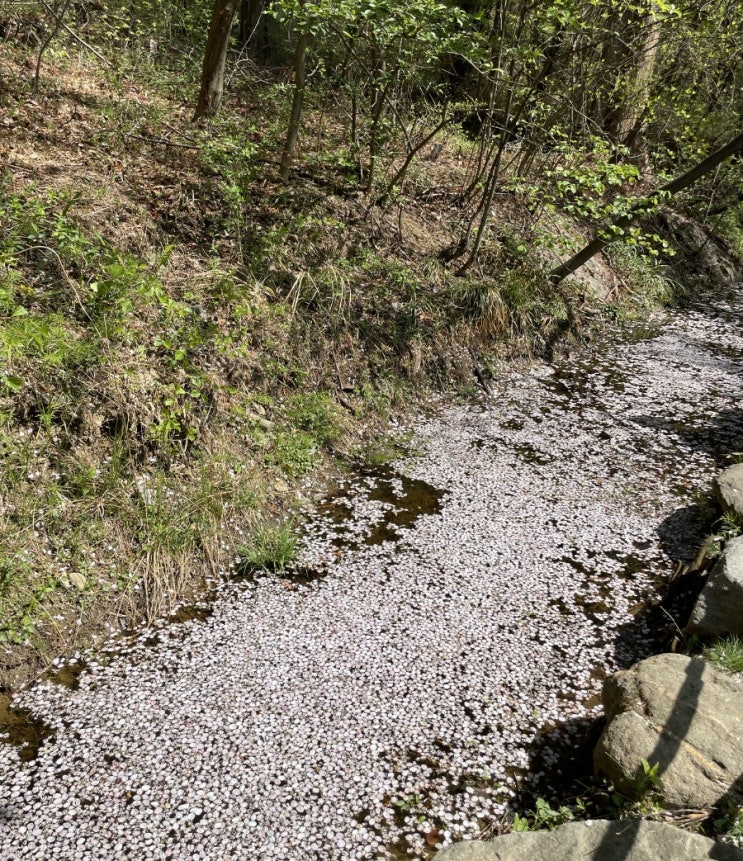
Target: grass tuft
726, 653
730, 825
272, 548
647, 281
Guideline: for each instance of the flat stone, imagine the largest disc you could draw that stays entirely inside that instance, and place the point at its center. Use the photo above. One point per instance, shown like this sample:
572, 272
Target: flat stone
728, 487
719, 607
602, 840
683, 714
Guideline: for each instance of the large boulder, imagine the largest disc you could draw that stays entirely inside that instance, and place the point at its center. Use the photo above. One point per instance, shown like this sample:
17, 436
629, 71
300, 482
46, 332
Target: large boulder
683, 714
719, 607
600, 840
729, 489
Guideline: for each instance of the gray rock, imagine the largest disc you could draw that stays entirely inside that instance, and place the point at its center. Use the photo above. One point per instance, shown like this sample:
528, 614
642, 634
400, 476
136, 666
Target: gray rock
601, 840
719, 607
682, 713
728, 487
705, 257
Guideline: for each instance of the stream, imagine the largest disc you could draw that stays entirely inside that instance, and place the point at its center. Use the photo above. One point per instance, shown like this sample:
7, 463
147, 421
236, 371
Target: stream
450, 614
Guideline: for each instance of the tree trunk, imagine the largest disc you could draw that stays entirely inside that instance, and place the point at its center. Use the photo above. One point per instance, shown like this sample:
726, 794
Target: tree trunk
215, 57
300, 60
667, 190
622, 125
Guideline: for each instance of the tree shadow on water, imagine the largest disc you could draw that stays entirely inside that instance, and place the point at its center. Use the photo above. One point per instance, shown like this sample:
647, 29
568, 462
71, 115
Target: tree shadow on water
682, 533
719, 435
648, 633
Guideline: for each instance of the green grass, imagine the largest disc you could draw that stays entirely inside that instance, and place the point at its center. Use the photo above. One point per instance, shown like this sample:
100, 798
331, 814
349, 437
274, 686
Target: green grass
647, 281
731, 226
730, 825
726, 653
543, 818
730, 525
388, 449
272, 548
294, 453
173, 334
316, 413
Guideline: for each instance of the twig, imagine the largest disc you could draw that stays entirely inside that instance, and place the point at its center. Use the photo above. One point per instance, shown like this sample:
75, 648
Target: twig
675, 625
163, 141
72, 285
57, 24
136, 125
178, 132
75, 36
698, 563
681, 569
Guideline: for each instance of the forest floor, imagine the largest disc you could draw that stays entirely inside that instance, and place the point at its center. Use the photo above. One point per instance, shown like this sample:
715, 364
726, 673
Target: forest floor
190, 349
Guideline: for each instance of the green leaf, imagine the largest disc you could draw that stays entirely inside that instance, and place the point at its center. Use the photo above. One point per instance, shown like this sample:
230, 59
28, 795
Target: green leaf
15, 384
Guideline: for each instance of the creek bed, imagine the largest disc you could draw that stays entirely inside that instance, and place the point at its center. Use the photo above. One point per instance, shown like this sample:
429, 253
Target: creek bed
449, 613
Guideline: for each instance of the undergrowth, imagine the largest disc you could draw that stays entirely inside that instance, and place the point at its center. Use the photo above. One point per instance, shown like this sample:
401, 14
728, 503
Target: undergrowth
272, 548
648, 283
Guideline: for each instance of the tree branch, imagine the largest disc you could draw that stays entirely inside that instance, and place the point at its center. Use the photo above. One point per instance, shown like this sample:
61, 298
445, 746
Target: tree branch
644, 204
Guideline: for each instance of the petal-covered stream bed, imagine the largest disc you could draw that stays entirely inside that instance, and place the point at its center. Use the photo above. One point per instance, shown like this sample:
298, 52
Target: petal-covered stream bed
450, 613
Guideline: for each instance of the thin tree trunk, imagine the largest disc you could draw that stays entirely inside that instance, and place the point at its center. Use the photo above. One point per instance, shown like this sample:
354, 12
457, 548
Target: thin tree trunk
379, 94
484, 149
374, 146
667, 190
491, 185
300, 62
510, 124
215, 57
413, 149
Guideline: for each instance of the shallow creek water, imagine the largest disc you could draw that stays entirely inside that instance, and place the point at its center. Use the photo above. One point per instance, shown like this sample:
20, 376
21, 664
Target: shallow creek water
448, 614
